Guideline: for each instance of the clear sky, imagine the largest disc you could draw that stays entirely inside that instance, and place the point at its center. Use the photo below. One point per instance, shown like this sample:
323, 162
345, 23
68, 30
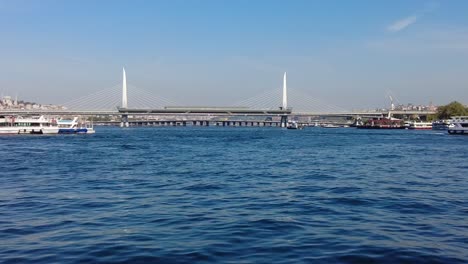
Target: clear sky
213, 52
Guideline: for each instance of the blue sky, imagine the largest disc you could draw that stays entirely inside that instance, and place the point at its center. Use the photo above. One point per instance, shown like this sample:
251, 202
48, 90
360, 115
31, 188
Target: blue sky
199, 52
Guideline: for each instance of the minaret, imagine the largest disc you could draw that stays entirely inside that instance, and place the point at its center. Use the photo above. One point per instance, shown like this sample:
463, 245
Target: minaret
285, 93
124, 90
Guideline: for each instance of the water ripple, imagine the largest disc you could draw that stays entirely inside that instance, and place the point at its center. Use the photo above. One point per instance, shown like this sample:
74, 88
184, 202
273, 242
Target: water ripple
234, 195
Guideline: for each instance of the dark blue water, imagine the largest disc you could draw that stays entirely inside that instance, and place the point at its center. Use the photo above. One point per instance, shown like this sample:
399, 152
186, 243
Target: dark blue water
234, 195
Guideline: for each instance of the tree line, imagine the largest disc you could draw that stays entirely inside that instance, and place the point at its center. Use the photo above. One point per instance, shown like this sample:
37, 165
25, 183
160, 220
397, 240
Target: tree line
453, 109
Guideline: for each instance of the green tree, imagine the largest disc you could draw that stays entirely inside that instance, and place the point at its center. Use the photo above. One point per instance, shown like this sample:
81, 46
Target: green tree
453, 109
431, 118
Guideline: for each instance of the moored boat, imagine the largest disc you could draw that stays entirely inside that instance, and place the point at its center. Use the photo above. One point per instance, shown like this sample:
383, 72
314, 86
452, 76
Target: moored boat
330, 126
74, 126
32, 125
420, 125
294, 125
440, 125
459, 126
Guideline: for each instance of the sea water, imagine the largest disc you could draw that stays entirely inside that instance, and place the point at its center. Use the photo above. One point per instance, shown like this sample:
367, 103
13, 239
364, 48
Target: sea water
234, 195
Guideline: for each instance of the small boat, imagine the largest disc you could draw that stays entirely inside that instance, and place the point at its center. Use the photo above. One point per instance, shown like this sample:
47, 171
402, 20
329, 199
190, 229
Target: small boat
330, 126
420, 125
74, 126
32, 125
407, 124
459, 126
294, 125
440, 125
357, 122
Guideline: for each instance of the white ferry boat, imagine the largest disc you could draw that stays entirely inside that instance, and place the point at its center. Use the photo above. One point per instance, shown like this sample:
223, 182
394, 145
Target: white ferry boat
20, 125
459, 125
420, 125
74, 126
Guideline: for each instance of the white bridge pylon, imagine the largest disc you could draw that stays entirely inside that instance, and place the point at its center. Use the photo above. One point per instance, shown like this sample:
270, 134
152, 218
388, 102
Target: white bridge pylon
124, 121
285, 93
284, 118
124, 90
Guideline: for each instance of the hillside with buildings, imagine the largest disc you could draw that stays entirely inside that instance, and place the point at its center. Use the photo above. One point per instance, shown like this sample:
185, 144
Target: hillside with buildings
7, 102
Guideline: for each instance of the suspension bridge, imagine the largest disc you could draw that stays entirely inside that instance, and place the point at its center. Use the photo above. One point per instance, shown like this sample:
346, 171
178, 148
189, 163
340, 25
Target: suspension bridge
132, 101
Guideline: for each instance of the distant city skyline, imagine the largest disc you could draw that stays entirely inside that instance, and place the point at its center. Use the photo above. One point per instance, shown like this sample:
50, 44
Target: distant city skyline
348, 54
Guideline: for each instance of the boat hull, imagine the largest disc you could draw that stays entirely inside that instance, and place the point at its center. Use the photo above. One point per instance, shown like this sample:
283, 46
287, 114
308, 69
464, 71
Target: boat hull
76, 131
440, 127
50, 130
9, 131
22, 130
378, 127
458, 131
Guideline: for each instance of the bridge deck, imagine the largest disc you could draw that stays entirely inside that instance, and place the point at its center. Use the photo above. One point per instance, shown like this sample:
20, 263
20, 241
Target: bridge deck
201, 111
186, 110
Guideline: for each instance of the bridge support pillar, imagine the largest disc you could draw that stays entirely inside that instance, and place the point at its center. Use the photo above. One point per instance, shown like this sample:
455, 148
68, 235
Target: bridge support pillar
124, 121
284, 121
